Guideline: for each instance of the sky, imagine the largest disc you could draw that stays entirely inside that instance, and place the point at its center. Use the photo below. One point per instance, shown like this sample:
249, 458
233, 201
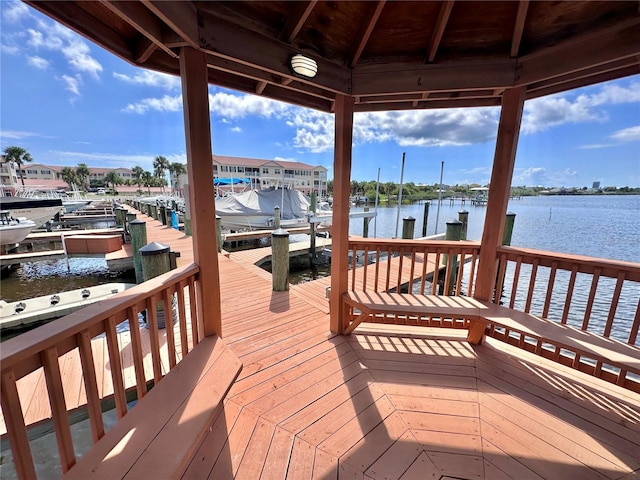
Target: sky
68, 101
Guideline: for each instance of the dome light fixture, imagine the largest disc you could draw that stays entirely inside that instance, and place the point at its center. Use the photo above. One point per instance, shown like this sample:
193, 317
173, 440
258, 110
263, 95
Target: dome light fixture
303, 66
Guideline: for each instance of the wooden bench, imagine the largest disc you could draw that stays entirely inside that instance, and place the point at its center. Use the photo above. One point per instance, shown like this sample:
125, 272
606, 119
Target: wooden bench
482, 314
158, 437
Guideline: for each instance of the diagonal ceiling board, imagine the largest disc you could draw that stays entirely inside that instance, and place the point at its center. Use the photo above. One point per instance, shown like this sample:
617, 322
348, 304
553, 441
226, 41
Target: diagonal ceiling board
438, 31
518, 27
366, 32
181, 17
296, 19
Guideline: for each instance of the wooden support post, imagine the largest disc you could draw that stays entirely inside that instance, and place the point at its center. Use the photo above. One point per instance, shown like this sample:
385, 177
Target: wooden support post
508, 228
280, 260
365, 224
463, 216
195, 97
138, 240
340, 223
312, 231
425, 217
408, 227
501, 176
155, 261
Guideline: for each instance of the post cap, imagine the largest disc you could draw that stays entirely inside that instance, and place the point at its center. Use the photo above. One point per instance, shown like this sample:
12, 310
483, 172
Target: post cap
409, 219
281, 232
137, 221
454, 221
154, 248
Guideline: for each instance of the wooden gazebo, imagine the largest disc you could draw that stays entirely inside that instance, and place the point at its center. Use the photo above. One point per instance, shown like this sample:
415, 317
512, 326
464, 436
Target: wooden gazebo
363, 56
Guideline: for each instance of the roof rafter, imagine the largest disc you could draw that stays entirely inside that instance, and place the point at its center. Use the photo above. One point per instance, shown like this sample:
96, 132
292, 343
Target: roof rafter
518, 27
181, 17
438, 31
295, 20
366, 32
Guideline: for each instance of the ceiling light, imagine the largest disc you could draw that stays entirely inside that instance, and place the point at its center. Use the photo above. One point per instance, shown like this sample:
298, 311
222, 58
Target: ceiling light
304, 66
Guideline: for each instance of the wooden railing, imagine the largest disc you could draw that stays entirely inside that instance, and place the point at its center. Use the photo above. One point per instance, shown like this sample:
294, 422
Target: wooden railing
595, 295
169, 295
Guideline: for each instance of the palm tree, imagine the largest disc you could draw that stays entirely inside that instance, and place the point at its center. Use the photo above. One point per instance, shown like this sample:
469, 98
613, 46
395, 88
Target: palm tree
176, 169
82, 173
147, 180
137, 175
160, 165
112, 178
19, 156
69, 175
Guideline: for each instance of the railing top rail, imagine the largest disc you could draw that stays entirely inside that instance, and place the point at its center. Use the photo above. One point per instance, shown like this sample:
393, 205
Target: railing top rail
566, 261
29, 343
399, 242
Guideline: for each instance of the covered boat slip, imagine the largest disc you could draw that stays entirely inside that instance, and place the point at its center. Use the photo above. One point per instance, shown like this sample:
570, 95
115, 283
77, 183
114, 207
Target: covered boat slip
398, 401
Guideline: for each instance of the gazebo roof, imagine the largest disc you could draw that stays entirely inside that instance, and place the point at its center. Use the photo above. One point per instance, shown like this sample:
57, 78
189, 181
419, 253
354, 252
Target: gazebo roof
388, 55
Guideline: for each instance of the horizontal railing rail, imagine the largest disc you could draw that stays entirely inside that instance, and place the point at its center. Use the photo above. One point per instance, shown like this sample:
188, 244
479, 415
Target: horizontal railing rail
171, 296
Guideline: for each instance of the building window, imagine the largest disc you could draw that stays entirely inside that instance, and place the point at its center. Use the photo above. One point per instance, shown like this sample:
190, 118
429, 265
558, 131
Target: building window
45, 172
32, 172
277, 171
265, 170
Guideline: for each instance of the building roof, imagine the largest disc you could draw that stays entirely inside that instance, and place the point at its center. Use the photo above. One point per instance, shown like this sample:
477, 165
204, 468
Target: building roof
257, 162
387, 55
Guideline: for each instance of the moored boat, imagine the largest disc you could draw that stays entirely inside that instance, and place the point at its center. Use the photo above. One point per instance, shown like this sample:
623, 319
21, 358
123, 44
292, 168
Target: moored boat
38, 210
13, 230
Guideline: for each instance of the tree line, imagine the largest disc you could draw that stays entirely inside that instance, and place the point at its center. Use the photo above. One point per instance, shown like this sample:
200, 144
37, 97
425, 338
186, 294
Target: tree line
79, 176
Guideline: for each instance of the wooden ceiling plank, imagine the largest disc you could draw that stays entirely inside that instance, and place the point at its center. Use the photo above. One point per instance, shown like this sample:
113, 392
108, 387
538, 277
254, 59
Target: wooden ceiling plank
84, 24
438, 31
286, 81
181, 17
428, 104
366, 33
144, 50
223, 40
296, 19
140, 18
260, 87
518, 28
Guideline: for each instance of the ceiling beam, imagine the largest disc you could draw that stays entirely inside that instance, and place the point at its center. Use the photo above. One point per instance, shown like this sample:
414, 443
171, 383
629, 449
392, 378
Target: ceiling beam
518, 27
428, 104
438, 31
366, 32
144, 50
181, 17
260, 87
300, 11
140, 18
221, 39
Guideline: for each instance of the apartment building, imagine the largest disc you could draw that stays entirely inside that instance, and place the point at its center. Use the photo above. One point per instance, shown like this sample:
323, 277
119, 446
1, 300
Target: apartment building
259, 173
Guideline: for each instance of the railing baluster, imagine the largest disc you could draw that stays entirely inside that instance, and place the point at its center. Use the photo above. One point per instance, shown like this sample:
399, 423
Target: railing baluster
569, 297
59, 415
436, 274
377, 275
614, 305
460, 273
193, 308
552, 279
532, 282
448, 272
500, 281
116, 367
592, 297
168, 327
388, 279
136, 347
365, 278
516, 280
400, 265
472, 273
90, 385
16, 429
423, 277
633, 332
182, 318
413, 268
154, 337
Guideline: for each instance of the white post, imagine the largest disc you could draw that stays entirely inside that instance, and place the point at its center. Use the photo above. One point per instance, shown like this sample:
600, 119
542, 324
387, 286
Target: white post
400, 194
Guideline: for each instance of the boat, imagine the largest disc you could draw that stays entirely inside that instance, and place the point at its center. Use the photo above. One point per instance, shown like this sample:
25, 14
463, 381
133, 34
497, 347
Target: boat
255, 209
70, 201
20, 314
13, 230
38, 210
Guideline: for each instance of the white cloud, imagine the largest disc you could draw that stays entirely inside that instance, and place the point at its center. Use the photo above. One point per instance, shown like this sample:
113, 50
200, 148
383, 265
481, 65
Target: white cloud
531, 176
77, 54
15, 135
236, 129
165, 104
38, 62
115, 159
10, 49
239, 106
282, 159
15, 12
150, 78
72, 84
631, 134
595, 146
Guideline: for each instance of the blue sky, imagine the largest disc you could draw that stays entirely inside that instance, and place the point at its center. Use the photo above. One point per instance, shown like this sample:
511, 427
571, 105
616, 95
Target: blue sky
68, 101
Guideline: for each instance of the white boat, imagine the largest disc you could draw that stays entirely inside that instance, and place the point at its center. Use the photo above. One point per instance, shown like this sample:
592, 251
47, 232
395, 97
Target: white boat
13, 230
38, 210
20, 314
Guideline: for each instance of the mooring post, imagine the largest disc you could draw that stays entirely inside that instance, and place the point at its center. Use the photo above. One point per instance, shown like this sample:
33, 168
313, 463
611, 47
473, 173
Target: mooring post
276, 217
508, 228
453, 232
280, 260
463, 216
167, 216
312, 231
408, 226
138, 230
219, 232
129, 217
365, 224
187, 211
162, 214
425, 217
154, 211
156, 260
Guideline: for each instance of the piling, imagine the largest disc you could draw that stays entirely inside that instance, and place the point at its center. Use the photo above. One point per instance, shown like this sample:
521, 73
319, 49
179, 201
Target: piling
276, 217
365, 224
187, 210
280, 260
121, 216
156, 260
425, 217
138, 229
508, 228
312, 231
408, 227
161, 214
130, 217
463, 216
154, 212
219, 232
453, 232
167, 216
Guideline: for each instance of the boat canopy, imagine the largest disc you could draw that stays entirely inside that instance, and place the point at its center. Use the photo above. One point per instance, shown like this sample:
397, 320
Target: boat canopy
221, 182
292, 203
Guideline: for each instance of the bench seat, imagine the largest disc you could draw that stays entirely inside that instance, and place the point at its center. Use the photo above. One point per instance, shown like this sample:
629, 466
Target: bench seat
159, 436
481, 314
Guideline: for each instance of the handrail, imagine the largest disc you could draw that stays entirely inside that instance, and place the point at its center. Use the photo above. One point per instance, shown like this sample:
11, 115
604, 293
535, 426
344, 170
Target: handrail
43, 347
